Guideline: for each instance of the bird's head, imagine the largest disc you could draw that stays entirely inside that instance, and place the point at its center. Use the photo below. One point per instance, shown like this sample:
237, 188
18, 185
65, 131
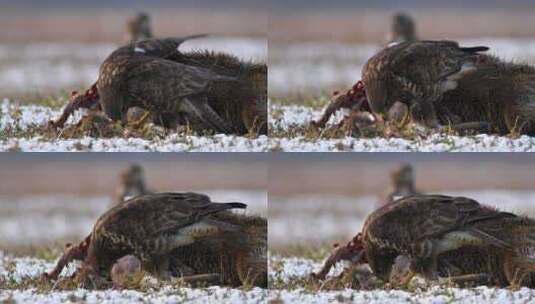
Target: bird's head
403, 177
403, 28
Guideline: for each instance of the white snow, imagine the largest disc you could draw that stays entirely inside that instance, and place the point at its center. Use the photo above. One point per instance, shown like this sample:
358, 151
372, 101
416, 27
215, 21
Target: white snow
300, 116
18, 269
23, 117
293, 268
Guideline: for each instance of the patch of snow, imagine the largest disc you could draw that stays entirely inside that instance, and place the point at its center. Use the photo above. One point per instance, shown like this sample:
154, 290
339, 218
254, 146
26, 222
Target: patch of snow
23, 117
292, 268
293, 116
18, 269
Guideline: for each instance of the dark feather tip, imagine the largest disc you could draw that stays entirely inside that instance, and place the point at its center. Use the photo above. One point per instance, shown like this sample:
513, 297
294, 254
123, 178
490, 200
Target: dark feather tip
475, 49
237, 205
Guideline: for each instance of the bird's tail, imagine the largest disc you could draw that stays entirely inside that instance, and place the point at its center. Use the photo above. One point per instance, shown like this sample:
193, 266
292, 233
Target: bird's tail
179, 40
218, 207
475, 49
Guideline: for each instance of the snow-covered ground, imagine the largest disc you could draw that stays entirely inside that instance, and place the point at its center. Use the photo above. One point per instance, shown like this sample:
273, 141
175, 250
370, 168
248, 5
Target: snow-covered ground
313, 67
328, 218
19, 269
71, 217
33, 117
298, 117
38, 67
288, 269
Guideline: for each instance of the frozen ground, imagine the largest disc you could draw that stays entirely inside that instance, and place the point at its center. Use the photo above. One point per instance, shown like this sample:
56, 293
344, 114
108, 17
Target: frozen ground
285, 118
20, 269
325, 219
315, 67
29, 119
284, 270
71, 217
51, 67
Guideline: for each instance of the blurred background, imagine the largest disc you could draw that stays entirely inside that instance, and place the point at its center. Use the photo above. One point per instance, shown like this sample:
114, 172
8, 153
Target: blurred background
48, 199
317, 199
317, 46
47, 47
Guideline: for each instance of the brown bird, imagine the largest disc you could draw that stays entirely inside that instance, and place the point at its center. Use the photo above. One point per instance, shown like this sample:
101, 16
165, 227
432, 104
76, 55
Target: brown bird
417, 74
442, 235
204, 90
425, 226
445, 84
401, 184
402, 29
139, 27
148, 227
131, 183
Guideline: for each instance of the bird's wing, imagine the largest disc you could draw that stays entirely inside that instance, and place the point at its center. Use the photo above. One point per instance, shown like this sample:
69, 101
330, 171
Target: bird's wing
441, 61
184, 209
163, 83
462, 214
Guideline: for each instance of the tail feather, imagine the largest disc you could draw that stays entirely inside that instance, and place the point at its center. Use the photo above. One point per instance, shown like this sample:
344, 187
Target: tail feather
179, 40
218, 207
475, 49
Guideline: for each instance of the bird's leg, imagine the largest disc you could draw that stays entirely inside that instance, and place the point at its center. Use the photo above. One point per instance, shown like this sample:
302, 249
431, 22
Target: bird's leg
204, 112
182, 269
70, 253
162, 267
423, 112
424, 259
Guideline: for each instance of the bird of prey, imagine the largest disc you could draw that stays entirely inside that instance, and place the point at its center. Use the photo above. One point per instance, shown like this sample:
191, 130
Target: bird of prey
148, 227
139, 27
444, 84
417, 74
131, 183
402, 29
401, 184
204, 90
